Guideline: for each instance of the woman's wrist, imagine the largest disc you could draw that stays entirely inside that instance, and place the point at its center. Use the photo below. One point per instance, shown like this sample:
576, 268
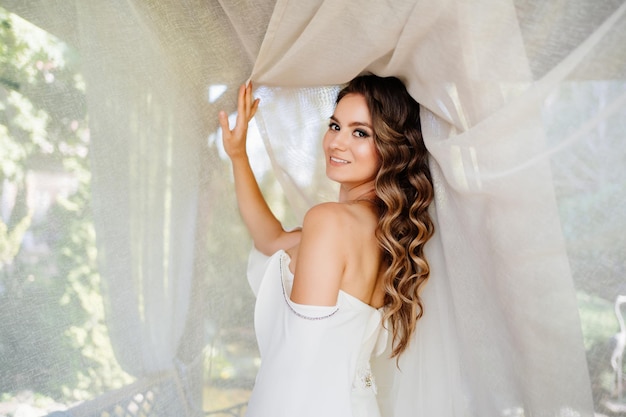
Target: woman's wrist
239, 158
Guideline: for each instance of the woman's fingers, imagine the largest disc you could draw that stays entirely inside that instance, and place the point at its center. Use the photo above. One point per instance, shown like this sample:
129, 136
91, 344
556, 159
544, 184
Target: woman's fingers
241, 106
246, 105
249, 102
235, 139
255, 106
223, 119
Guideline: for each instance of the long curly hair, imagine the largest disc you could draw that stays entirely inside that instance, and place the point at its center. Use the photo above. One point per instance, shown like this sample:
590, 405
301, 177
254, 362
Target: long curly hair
404, 191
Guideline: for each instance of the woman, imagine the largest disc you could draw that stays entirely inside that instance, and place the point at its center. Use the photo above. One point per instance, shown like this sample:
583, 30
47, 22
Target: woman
325, 290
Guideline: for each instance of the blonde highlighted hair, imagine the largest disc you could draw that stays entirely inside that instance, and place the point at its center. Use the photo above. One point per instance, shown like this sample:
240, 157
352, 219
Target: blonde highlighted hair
404, 192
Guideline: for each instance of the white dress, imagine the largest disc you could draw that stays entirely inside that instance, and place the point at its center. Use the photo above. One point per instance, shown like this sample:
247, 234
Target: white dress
314, 359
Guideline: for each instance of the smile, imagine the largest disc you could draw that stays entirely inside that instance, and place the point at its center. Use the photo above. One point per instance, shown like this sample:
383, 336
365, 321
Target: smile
337, 160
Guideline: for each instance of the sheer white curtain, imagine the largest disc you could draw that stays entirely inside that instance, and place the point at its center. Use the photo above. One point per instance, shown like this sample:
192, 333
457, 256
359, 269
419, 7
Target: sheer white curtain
149, 69
145, 211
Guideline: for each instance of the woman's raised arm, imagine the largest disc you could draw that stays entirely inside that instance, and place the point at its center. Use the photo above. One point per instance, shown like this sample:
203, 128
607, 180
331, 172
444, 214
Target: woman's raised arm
266, 231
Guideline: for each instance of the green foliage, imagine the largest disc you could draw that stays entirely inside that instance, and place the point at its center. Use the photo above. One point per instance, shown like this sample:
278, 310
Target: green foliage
597, 318
11, 240
599, 325
53, 340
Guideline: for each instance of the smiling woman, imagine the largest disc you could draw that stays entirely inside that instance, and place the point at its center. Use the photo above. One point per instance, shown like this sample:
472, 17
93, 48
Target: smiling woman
353, 265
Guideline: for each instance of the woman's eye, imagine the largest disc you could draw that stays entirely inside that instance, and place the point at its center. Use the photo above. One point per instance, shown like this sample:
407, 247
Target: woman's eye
361, 133
333, 126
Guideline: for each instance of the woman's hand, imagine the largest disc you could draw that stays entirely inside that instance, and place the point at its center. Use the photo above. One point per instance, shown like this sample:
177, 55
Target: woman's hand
235, 140
266, 231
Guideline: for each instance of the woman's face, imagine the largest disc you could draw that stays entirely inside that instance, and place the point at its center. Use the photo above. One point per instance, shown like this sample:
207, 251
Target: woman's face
351, 156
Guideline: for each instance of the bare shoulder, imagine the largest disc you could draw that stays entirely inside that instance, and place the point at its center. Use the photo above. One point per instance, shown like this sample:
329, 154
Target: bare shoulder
346, 229
321, 258
331, 216
323, 213
337, 247
325, 224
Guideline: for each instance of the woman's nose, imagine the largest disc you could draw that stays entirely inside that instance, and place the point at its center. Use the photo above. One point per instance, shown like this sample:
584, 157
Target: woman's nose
338, 141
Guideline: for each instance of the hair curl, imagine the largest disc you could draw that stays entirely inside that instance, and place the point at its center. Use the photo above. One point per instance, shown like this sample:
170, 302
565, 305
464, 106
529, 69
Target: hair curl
404, 191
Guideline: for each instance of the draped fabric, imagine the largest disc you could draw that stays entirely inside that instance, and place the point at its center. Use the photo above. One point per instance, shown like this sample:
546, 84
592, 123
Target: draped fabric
522, 112
147, 210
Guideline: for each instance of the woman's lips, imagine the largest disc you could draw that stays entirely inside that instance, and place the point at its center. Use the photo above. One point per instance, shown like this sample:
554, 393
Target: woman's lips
338, 160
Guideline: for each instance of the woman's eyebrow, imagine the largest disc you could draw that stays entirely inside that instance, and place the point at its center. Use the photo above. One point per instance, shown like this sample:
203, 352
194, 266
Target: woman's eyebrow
360, 124
353, 124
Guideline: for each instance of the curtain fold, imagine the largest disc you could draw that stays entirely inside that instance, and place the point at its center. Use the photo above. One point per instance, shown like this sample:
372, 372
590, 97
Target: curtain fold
144, 208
